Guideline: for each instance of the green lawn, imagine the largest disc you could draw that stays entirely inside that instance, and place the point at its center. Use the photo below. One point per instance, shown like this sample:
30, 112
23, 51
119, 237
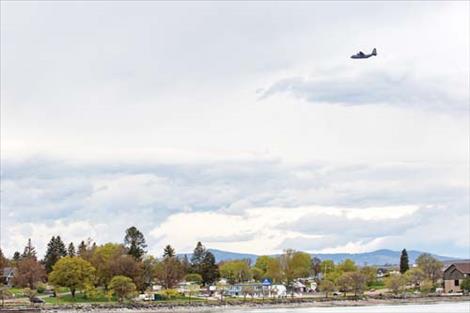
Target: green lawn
18, 292
79, 298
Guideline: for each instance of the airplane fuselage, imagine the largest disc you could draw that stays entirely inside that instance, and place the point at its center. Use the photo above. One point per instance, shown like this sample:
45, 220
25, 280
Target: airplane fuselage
365, 56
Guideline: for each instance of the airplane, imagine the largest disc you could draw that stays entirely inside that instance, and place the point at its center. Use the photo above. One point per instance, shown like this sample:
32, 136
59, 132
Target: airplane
362, 55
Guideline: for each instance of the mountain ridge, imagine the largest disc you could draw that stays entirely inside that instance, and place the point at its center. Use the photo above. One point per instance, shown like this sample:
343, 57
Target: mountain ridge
377, 257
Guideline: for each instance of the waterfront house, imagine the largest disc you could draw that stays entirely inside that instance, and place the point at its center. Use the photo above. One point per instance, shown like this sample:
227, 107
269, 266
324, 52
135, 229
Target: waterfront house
454, 275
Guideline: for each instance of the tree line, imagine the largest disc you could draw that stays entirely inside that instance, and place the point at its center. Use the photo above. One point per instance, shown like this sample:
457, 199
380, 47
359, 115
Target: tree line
126, 268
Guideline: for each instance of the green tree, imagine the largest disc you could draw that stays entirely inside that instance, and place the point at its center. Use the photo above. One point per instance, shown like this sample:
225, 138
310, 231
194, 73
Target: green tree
29, 251
71, 249
74, 273
431, 267
169, 252
404, 262
465, 285
193, 277
235, 271
426, 286
273, 270
294, 265
55, 251
370, 272
396, 283
327, 286
134, 241
415, 276
209, 269
358, 282
262, 263
198, 256
347, 265
122, 287
103, 260
16, 256
344, 283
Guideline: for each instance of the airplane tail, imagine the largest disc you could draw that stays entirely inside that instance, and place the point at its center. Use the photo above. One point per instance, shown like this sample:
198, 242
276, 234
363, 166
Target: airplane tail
374, 52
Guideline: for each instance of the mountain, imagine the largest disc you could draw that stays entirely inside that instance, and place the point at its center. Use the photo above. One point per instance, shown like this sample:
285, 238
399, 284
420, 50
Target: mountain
379, 257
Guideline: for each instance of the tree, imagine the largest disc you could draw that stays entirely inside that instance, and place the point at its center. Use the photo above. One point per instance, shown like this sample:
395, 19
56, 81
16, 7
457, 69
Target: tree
404, 262
86, 249
74, 273
415, 276
344, 283
149, 266
370, 272
208, 269
16, 256
294, 265
262, 263
235, 271
3, 261
465, 285
29, 250
358, 282
273, 270
198, 256
102, 259
168, 252
28, 272
169, 272
193, 277
71, 249
328, 270
396, 283
431, 267
122, 287
55, 250
327, 286
134, 241
316, 266
347, 265
127, 265
426, 286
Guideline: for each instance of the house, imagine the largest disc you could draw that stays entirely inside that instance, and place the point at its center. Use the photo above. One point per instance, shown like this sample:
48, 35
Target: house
7, 275
453, 276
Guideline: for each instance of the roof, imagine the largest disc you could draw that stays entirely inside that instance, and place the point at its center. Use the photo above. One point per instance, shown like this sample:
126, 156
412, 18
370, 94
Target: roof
8, 271
463, 267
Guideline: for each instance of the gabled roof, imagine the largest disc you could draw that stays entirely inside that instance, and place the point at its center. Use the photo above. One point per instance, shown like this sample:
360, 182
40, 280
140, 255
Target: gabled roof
463, 267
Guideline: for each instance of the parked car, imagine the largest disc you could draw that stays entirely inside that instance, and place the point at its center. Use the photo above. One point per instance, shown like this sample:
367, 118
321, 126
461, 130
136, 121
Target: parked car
36, 300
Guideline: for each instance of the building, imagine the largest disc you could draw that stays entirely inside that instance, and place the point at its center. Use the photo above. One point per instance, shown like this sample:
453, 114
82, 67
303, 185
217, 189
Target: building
7, 275
454, 275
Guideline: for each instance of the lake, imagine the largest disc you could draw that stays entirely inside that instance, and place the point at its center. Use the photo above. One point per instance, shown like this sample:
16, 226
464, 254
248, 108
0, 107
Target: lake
458, 307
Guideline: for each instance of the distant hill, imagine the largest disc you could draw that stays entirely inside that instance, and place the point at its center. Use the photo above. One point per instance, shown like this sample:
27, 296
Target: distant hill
379, 257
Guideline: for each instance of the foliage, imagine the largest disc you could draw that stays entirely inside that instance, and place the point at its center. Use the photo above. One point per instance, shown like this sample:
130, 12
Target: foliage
193, 277
74, 273
28, 272
170, 293
465, 284
327, 286
71, 249
426, 286
370, 272
55, 250
169, 252
41, 287
235, 271
396, 283
295, 264
169, 271
29, 293
5, 294
148, 270
431, 267
347, 265
103, 259
134, 241
122, 287
415, 276
29, 251
404, 262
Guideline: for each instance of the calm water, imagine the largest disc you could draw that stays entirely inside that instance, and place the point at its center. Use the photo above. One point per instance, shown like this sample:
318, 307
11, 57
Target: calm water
460, 307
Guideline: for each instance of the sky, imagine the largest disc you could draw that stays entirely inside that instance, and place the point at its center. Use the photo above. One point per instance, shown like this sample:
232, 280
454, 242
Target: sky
242, 125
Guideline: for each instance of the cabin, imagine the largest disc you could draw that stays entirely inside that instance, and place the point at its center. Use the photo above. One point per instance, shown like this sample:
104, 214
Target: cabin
454, 274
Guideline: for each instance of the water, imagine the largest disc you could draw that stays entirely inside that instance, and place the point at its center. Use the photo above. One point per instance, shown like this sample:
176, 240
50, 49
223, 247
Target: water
459, 307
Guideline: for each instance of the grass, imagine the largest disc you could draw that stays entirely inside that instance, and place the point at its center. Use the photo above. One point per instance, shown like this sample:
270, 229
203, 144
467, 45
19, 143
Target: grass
79, 298
18, 292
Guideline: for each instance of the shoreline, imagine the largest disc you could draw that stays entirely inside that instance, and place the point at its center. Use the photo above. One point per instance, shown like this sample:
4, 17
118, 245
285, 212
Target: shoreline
233, 305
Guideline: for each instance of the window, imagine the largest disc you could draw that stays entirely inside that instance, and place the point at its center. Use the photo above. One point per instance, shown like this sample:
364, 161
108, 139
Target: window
456, 282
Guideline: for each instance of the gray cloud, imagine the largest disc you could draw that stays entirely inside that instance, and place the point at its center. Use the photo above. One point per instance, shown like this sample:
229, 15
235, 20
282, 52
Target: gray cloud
380, 87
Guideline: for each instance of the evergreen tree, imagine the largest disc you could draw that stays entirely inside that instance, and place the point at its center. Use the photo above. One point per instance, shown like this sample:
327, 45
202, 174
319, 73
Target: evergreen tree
209, 271
404, 262
55, 250
29, 250
71, 249
81, 249
198, 256
16, 256
134, 241
168, 252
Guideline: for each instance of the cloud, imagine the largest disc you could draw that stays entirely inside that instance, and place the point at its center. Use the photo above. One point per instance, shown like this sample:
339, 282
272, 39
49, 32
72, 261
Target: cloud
383, 86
